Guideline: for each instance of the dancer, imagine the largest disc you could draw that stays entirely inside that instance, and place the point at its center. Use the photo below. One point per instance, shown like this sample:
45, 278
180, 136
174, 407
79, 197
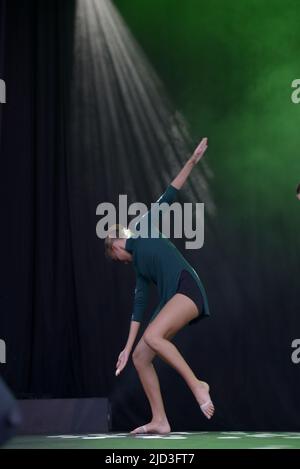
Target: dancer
182, 301
298, 192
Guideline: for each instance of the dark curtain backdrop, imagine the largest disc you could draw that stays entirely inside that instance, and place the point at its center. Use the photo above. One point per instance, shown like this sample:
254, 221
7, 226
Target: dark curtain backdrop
39, 316
65, 312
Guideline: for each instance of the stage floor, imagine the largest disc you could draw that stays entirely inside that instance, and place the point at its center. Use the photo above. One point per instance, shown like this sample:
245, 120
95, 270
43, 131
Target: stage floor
183, 440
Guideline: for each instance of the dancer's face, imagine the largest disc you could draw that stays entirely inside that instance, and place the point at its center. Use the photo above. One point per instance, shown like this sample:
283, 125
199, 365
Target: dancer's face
298, 196
118, 253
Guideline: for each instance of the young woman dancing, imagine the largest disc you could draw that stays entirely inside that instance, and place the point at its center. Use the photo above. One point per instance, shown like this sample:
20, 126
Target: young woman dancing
182, 301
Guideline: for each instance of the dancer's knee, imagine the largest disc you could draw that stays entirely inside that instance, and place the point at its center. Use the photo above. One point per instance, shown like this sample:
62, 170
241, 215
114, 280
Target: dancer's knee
153, 340
140, 358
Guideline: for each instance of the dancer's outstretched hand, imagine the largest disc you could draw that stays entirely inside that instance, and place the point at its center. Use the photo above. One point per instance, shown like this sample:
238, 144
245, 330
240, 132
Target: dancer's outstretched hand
200, 150
122, 361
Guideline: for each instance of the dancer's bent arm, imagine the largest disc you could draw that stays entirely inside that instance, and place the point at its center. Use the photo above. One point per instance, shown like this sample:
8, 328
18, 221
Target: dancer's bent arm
140, 303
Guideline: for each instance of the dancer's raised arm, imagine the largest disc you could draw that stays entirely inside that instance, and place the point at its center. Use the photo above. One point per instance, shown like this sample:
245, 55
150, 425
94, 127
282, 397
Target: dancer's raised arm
192, 161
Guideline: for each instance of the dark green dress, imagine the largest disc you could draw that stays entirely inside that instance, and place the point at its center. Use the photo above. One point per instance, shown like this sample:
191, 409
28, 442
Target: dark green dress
157, 260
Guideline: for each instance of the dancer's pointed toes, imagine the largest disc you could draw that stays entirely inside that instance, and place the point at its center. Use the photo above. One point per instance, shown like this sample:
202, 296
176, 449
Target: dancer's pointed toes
208, 409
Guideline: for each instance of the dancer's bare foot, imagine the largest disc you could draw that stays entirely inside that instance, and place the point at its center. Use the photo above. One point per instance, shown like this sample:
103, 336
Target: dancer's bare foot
201, 393
160, 428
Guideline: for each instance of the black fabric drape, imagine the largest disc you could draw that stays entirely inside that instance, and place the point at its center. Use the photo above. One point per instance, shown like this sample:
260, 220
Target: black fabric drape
38, 301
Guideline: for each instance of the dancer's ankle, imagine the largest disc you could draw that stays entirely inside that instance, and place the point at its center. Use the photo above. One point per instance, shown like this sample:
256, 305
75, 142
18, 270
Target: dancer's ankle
159, 419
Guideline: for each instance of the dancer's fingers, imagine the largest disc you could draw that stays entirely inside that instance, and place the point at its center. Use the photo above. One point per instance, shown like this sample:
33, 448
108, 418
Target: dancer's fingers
122, 366
201, 146
119, 363
200, 154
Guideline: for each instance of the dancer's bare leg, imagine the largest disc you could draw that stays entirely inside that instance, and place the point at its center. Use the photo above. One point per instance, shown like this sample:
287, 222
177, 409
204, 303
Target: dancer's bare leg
142, 357
176, 314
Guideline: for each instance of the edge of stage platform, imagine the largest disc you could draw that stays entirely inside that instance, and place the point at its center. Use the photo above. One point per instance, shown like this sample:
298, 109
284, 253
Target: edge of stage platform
64, 416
